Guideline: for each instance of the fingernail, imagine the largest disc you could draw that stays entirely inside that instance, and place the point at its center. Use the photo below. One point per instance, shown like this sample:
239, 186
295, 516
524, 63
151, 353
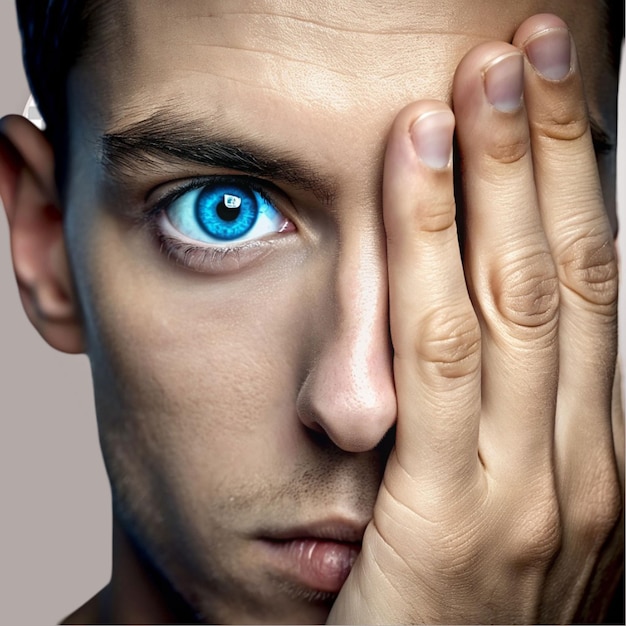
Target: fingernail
504, 82
550, 52
432, 138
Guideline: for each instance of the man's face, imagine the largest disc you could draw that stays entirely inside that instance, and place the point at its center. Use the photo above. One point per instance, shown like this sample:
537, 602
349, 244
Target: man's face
243, 377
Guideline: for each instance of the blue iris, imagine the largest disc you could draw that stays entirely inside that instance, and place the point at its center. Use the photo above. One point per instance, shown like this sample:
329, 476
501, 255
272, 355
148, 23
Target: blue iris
225, 211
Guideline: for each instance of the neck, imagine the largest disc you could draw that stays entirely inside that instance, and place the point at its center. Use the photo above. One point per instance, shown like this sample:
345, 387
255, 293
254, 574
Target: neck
136, 594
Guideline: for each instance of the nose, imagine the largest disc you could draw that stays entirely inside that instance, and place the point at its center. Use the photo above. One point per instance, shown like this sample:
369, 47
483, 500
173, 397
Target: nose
349, 393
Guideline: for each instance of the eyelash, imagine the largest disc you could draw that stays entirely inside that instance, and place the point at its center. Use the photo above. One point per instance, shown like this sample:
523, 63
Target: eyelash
207, 257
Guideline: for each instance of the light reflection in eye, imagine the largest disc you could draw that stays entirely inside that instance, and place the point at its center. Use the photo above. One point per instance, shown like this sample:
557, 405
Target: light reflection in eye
224, 212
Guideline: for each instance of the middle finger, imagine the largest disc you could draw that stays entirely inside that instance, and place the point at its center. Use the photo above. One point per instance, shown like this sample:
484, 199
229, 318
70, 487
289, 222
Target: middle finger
510, 271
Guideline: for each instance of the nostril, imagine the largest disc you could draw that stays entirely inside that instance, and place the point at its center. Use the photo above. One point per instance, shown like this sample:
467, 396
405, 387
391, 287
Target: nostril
348, 392
344, 418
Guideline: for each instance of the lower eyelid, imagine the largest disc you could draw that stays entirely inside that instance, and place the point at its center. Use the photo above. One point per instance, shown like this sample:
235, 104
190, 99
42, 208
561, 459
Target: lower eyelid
174, 227
165, 226
213, 259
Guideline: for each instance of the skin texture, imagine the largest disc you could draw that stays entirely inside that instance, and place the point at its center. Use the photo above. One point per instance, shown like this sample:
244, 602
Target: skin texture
244, 395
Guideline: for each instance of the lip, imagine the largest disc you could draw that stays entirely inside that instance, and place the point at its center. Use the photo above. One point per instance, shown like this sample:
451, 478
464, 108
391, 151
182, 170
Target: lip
329, 530
318, 556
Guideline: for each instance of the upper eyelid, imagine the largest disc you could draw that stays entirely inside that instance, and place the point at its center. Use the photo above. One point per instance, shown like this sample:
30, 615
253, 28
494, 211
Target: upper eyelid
186, 185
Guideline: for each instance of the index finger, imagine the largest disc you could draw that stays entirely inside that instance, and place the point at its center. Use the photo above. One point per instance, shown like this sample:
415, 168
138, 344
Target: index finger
434, 329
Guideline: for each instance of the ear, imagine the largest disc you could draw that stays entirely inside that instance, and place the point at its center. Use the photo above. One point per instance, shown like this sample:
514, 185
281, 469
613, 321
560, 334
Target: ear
29, 195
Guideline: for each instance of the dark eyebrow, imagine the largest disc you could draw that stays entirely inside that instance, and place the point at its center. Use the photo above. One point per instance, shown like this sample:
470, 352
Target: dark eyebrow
164, 137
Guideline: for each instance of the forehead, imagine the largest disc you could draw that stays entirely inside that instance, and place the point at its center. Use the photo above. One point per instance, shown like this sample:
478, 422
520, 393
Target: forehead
342, 53
299, 71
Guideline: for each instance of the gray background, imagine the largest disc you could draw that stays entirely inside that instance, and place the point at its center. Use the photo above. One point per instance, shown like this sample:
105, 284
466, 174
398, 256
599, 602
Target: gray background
56, 515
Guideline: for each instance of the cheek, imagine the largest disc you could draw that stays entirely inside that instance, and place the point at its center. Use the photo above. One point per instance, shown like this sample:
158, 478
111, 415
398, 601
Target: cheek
190, 370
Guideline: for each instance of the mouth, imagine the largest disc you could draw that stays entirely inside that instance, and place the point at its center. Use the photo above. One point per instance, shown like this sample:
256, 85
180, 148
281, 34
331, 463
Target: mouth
318, 557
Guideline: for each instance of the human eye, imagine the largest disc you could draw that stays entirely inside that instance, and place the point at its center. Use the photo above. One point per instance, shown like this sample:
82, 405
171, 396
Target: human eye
218, 224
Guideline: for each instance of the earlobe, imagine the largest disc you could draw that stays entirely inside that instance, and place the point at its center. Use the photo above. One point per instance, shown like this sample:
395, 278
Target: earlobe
28, 192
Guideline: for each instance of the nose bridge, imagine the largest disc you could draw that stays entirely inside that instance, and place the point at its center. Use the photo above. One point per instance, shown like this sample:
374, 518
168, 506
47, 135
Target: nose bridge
362, 298
349, 392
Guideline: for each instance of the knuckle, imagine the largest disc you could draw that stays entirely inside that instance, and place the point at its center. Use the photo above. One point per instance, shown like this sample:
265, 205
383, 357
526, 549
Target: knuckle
589, 269
437, 216
449, 342
562, 123
602, 509
508, 152
607, 512
526, 292
537, 536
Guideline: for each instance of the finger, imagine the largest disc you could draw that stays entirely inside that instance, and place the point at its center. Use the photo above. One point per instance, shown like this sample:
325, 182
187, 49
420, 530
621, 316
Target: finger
580, 237
434, 330
578, 230
510, 269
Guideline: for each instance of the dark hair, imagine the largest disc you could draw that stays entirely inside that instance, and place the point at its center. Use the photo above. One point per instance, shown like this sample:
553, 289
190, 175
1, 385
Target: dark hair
54, 33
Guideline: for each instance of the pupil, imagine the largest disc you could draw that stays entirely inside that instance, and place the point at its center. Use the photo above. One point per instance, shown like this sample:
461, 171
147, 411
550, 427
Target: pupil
225, 211
228, 214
